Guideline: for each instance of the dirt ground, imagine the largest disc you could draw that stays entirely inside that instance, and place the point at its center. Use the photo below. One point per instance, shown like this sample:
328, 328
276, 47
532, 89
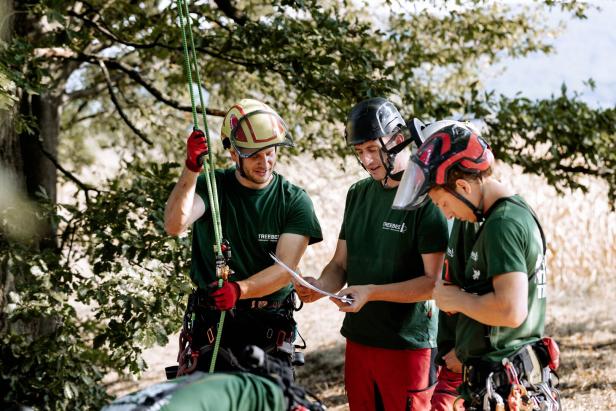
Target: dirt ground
581, 320
581, 303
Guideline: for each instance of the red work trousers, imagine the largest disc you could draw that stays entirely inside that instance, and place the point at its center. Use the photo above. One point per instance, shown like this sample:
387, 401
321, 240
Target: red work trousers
384, 379
445, 392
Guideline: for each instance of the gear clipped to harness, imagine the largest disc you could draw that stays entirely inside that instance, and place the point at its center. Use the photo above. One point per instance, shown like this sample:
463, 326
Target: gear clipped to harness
223, 271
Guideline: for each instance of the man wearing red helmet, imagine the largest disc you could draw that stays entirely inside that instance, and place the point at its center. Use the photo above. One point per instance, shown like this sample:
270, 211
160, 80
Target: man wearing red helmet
389, 259
260, 213
494, 279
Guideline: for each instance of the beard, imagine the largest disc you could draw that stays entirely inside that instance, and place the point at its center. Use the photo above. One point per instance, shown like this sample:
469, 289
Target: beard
256, 176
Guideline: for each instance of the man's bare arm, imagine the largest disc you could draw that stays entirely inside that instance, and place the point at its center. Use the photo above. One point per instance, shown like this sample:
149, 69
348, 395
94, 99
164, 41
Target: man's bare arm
332, 279
290, 249
183, 206
410, 291
506, 306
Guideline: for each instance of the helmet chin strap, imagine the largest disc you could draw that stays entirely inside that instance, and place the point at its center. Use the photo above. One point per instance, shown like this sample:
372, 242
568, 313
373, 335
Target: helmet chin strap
477, 210
240, 166
388, 163
388, 158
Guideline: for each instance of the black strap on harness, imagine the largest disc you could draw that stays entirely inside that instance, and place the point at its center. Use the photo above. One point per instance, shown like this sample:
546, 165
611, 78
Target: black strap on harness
484, 289
260, 363
527, 361
523, 205
266, 324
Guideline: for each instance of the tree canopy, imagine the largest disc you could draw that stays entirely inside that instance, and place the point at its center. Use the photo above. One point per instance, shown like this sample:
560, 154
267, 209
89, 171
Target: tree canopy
95, 91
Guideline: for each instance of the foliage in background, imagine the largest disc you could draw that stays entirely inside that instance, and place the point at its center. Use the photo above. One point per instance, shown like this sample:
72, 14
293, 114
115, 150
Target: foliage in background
116, 67
126, 277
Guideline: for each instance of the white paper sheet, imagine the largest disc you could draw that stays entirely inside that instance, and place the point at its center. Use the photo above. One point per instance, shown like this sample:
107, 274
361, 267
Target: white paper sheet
305, 283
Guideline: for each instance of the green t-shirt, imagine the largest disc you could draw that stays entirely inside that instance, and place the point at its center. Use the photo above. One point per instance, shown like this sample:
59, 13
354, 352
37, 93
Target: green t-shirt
461, 240
384, 246
206, 392
252, 221
509, 241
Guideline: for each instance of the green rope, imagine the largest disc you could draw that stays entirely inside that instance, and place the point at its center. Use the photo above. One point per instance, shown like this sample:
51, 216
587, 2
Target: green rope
216, 212
183, 13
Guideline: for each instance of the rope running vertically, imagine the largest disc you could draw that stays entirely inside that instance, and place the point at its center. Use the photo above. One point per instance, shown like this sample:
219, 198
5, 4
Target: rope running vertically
184, 15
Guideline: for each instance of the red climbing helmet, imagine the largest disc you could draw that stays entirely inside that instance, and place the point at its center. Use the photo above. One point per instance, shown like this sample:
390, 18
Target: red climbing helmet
447, 145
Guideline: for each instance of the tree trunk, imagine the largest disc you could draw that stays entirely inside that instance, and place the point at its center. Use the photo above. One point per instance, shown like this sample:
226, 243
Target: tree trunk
39, 171
10, 156
24, 162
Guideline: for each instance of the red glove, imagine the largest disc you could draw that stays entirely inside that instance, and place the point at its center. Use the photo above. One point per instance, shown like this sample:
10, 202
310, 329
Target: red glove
226, 296
196, 148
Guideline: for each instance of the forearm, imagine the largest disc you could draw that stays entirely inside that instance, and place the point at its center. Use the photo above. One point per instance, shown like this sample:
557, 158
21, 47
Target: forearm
411, 291
180, 203
264, 282
333, 277
289, 250
491, 310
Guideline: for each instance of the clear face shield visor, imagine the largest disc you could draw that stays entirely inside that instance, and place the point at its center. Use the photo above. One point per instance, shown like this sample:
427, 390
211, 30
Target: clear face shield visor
413, 189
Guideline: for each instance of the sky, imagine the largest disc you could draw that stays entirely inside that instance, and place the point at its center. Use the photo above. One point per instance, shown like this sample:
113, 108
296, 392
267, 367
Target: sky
585, 49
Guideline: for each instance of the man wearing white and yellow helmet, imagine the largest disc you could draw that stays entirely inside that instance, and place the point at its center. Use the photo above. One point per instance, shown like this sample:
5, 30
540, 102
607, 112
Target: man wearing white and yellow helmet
261, 213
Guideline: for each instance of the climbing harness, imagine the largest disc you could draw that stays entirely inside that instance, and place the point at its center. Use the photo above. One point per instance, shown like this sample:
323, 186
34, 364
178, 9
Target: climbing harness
522, 382
188, 355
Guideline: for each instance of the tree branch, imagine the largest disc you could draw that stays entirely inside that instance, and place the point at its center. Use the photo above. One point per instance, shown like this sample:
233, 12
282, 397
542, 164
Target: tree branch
112, 36
56, 52
85, 187
136, 76
585, 170
89, 91
118, 107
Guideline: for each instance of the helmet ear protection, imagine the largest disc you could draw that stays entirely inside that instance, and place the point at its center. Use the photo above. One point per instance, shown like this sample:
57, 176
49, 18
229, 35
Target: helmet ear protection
415, 128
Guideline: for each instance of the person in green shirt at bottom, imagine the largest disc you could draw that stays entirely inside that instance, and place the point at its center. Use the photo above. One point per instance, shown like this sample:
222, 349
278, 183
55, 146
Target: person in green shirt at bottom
499, 290
261, 213
390, 260
258, 387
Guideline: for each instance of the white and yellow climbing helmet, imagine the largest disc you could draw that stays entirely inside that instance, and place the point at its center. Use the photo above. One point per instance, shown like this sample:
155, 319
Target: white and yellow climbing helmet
251, 126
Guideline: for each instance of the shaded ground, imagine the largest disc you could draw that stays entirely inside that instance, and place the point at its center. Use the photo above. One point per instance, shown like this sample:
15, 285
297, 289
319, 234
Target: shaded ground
580, 319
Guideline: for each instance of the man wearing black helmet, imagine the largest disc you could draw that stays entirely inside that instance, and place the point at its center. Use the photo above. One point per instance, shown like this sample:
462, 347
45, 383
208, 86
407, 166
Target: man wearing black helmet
494, 277
389, 259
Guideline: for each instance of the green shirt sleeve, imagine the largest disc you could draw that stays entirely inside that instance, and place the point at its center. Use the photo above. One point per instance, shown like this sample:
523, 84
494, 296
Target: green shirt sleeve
432, 232
342, 235
505, 252
302, 218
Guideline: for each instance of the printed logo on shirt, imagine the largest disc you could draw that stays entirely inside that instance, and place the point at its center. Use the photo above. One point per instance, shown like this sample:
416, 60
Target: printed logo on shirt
268, 237
450, 252
474, 255
401, 228
476, 274
541, 277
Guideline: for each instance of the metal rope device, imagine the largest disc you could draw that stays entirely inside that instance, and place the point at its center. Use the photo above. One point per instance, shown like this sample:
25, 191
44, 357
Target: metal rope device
221, 248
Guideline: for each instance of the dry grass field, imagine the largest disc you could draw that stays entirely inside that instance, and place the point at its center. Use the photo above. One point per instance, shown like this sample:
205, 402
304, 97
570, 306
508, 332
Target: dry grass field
582, 254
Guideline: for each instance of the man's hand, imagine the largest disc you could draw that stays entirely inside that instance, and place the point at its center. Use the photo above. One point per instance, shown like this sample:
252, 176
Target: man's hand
360, 294
452, 362
306, 294
196, 148
225, 297
447, 296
